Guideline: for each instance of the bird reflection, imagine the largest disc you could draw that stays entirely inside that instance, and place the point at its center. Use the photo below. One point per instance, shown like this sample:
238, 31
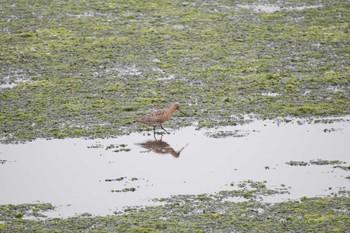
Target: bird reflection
161, 147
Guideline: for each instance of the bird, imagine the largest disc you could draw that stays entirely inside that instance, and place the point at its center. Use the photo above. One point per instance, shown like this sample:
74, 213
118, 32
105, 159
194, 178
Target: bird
158, 117
161, 147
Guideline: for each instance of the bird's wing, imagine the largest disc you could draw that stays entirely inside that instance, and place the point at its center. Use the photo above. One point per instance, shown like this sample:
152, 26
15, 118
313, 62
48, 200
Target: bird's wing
154, 117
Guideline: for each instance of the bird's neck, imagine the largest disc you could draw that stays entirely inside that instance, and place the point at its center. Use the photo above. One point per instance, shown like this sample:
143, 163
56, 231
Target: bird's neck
170, 111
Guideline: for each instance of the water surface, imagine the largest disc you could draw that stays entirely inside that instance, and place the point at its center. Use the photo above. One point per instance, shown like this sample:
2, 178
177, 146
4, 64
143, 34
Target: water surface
105, 175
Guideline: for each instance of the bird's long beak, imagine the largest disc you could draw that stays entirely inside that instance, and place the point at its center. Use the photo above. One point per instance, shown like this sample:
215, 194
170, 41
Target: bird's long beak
182, 112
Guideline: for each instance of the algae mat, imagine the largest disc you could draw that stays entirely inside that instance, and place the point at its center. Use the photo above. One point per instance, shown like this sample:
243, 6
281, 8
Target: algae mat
87, 68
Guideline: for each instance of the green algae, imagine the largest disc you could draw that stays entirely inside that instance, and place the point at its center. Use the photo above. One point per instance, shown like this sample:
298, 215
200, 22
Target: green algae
11, 212
319, 162
90, 68
118, 148
198, 213
326, 162
86, 68
124, 190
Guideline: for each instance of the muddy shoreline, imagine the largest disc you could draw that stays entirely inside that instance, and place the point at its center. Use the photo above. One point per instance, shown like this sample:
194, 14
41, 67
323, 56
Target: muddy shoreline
255, 189
88, 69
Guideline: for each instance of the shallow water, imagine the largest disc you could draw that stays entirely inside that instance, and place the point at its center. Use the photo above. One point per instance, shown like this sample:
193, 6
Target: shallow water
80, 175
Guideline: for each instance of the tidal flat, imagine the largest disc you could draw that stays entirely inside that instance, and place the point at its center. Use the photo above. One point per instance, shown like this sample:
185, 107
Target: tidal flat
88, 69
247, 178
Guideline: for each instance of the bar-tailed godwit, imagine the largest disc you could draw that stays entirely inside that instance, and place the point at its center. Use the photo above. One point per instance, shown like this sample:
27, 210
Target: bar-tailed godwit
160, 116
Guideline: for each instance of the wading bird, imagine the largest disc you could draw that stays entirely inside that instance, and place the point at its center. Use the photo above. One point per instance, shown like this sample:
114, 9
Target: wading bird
161, 147
160, 116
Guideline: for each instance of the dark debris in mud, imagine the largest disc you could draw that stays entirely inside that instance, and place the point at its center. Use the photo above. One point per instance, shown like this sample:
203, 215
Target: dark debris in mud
225, 134
118, 148
3, 161
117, 179
331, 130
326, 162
124, 190
125, 181
251, 190
335, 163
298, 163
123, 178
345, 168
96, 146
320, 162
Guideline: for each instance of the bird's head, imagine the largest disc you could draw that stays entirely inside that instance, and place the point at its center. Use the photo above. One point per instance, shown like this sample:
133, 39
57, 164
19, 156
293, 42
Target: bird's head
176, 106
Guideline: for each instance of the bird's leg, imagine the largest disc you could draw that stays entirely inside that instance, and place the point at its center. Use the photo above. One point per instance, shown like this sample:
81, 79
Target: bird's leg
164, 129
154, 133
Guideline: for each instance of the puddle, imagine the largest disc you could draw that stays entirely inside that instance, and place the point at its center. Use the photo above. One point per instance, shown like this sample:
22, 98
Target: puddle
7, 84
102, 176
16, 77
270, 94
270, 8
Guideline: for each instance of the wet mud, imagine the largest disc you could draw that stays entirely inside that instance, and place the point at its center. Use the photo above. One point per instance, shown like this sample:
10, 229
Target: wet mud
263, 146
87, 69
